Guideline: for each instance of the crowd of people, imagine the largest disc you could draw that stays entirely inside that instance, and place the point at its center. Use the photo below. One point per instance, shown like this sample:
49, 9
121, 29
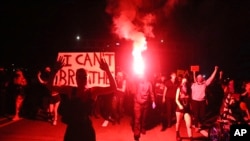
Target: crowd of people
160, 100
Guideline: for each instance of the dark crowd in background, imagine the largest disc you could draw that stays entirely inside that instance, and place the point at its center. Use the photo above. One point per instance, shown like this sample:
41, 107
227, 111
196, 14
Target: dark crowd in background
36, 93
36, 100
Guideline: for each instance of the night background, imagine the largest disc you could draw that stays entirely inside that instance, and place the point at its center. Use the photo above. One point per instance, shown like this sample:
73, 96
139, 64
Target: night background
189, 32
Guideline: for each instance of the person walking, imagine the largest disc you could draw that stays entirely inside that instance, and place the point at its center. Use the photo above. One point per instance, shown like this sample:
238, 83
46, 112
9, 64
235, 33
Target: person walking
183, 96
143, 95
160, 90
169, 101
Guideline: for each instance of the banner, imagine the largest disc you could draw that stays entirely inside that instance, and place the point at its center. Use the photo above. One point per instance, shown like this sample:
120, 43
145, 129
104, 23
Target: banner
90, 62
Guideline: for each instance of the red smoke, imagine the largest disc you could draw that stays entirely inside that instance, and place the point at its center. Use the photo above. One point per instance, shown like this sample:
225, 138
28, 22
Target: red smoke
133, 20
132, 25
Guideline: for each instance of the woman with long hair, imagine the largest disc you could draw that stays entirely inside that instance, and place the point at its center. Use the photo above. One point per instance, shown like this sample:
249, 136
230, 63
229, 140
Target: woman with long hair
183, 108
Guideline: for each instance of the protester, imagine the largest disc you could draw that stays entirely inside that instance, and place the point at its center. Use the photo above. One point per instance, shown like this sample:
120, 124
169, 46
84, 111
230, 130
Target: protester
169, 100
160, 90
20, 83
118, 98
143, 96
79, 107
54, 98
199, 100
183, 96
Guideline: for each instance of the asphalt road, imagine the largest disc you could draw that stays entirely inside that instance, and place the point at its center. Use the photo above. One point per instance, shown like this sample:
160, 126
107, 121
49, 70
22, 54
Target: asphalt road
40, 130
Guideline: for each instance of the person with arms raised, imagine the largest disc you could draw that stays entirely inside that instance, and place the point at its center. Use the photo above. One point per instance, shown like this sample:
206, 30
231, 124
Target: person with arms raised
81, 99
199, 101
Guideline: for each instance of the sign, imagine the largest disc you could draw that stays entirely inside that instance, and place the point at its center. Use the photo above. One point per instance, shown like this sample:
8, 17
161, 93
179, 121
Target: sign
180, 72
90, 62
195, 68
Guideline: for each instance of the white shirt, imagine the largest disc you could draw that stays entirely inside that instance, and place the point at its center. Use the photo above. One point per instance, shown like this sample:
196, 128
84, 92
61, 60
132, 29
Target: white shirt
198, 91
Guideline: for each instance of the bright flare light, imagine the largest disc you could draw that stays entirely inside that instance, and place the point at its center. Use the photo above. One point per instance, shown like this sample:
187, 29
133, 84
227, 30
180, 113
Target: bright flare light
138, 47
132, 25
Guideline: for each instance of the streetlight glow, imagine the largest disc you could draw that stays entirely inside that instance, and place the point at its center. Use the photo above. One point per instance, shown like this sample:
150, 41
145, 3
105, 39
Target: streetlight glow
77, 37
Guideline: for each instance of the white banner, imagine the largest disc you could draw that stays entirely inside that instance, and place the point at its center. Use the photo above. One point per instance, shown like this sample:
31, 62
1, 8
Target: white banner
90, 62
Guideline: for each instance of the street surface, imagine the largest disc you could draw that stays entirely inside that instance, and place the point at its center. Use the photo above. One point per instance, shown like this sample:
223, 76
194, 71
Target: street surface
40, 130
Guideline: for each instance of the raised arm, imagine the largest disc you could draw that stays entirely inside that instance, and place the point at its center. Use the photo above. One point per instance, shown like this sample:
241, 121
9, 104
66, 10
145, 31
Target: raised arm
57, 66
40, 79
194, 76
211, 78
105, 90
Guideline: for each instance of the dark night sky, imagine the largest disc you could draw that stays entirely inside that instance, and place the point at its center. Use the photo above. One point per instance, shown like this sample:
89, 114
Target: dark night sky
207, 32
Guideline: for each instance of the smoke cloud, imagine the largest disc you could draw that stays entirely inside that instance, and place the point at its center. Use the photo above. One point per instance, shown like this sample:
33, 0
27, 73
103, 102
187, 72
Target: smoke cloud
134, 20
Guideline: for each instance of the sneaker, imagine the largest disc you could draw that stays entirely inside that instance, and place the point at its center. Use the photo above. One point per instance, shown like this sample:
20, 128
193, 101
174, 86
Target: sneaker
54, 122
105, 123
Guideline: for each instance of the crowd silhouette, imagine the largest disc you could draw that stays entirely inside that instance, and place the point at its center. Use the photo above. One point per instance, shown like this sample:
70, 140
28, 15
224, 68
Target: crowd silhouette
162, 99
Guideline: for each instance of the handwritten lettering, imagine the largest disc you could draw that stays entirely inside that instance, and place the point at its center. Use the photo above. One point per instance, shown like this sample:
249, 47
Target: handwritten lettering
90, 62
67, 77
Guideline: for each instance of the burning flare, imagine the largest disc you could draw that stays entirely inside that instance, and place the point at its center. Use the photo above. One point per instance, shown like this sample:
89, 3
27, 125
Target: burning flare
132, 25
139, 46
